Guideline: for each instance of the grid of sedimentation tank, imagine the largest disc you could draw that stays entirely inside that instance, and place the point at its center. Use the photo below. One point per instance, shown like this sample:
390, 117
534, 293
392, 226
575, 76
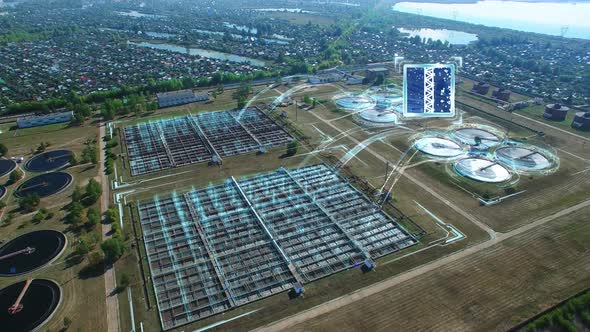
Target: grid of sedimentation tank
163, 144
223, 246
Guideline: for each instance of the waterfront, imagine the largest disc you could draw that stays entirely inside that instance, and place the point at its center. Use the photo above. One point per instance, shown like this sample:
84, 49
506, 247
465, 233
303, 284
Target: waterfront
444, 35
539, 17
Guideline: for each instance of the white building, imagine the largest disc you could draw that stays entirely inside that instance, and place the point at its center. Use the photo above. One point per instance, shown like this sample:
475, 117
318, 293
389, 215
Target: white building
180, 97
42, 120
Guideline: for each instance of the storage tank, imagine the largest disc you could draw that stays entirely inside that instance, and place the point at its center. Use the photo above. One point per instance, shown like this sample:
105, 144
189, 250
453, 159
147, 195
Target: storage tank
481, 88
482, 170
581, 121
439, 147
555, 112
501, 94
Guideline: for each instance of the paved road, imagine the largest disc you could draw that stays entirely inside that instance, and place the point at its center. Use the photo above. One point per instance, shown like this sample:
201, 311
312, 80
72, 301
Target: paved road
109, 275
286, 323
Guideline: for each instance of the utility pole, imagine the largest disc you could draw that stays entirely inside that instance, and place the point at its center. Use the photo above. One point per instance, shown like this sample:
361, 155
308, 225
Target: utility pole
296, 111
386, 172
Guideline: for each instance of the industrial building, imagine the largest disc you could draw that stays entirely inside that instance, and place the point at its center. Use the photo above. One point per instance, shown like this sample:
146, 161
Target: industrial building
354, 79
555, 112
501, 94
42, 120
326, 77
373, 73
581, 121
481, 88
220, 247
162, 144
180, 97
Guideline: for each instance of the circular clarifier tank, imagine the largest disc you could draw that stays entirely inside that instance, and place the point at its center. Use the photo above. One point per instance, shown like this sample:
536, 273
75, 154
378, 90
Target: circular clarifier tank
355, 102
2, 191
439, 147
31, 251
482, 170
523, 158
49, 161
6, 166
37, 305
44, 185
477, 137
379, 116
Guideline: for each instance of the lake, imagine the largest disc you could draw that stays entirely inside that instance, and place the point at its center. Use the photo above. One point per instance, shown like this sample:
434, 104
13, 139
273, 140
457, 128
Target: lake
219, 33
279, 41
452, 36
570, 19
241, 28
200, 52
208, 32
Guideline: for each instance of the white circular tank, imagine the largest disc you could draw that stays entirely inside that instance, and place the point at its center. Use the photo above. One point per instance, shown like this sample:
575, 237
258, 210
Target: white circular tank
471, 136
379, 116
482, 170
522, 158
439, 147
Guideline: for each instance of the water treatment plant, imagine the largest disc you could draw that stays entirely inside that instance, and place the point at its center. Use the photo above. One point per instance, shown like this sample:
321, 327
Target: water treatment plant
273, 165
292, 203
238, 211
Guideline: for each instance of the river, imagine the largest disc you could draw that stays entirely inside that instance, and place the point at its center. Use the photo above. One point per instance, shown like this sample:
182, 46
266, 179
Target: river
570, 19
201, 52
452, 36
